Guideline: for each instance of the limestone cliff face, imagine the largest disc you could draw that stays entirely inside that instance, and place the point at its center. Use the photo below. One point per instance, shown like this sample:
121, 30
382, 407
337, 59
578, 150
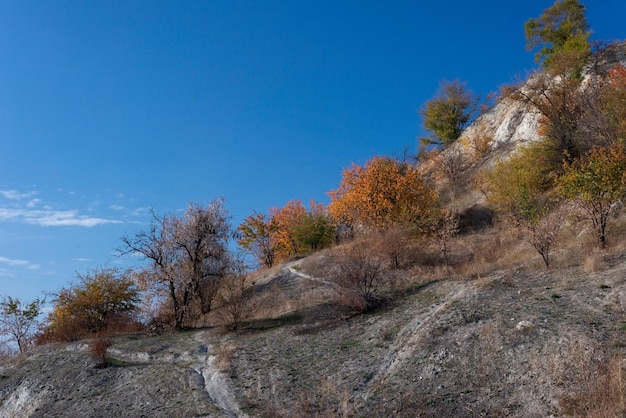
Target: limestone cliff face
511, 122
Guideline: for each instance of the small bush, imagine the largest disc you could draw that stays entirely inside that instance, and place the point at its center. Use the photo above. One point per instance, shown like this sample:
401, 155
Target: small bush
223, 357
393, 243
235, 297
99, 348
360, 273
594, 262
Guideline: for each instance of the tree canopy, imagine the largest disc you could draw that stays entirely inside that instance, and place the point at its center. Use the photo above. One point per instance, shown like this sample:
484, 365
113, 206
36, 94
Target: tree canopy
597, 183
381, 193
561, 34
286, 231
19, 320
97, 301
448, 113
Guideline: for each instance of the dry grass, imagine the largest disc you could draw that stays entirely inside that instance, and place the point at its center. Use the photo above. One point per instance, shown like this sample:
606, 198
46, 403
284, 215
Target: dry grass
594, 262
600, 384
223, 356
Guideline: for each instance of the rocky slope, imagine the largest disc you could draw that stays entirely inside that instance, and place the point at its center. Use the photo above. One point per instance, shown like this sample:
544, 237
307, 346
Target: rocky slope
511, 343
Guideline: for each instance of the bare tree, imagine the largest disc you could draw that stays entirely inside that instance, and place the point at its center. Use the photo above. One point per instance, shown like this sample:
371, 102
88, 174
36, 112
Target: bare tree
235, 297
450, 164
189, 257
542, 234
19, 320
360, 275
446, 227
393, 242
561, 106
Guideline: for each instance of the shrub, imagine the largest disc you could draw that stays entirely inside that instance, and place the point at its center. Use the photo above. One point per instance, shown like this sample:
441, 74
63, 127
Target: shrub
235, 297
359, 276
98, 350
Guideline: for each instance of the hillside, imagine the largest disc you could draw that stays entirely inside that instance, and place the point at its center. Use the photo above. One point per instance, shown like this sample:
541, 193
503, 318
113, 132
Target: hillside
492, 334
512, 343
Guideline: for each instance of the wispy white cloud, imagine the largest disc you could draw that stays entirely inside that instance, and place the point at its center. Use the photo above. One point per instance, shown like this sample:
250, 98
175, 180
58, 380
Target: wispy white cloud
6, 273
49, 217
140, 211
15, 195
117, 207
33, 202
34, 212
13, 262
64, 218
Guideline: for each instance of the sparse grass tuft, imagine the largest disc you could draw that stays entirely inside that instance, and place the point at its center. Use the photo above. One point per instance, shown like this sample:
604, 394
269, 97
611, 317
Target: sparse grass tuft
223, 356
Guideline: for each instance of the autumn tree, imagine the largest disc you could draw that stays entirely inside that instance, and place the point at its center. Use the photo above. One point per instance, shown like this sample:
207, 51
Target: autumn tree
520, 188
596, 182
256, 238
188, 257
448, 113
292, 229
381, 193
97, 301
284, 222
561, 33
19, 320
316, 229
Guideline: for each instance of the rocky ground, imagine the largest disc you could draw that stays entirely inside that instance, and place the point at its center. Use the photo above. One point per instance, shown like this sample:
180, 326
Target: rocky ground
511, 343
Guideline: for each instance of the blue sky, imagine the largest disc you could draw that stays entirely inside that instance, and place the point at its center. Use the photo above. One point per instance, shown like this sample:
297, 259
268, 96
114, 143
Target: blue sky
109, 108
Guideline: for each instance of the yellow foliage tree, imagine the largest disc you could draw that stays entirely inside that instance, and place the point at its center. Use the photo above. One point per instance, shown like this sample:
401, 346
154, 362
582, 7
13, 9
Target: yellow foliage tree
596, 182
381, 193
521, 189
99, 300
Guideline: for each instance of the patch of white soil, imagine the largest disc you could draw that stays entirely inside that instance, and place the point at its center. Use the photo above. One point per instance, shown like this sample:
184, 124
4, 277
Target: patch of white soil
217, 385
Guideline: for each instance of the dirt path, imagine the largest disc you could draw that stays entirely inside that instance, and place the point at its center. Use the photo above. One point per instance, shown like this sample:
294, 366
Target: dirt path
291, 268
407, 340
217, 385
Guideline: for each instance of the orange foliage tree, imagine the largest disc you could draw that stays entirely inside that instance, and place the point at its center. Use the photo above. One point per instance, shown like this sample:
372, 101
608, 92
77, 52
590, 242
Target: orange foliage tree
283, 223
286, 231
381, 193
